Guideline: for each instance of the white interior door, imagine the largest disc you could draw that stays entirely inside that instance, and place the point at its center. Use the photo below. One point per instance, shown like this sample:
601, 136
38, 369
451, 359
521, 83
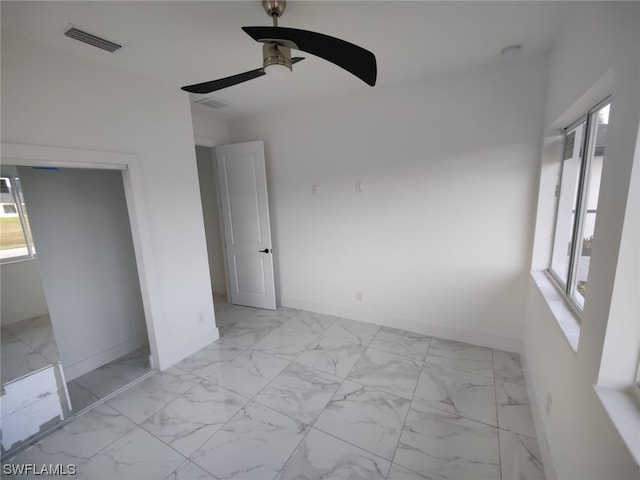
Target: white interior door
242, 182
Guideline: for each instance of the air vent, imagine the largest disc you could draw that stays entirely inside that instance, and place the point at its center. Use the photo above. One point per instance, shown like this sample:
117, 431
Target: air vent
92, 40
213, 102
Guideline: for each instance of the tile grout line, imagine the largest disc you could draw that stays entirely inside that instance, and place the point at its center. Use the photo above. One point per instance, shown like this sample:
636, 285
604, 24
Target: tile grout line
198, 380
222, 364
188, 458
354, 445
295, 449
250, 400
495, 393
268, 382
449, 413
101, 401
460, 370
364, 348
312, 424
139, 426
466, 372
395, 452
136, 426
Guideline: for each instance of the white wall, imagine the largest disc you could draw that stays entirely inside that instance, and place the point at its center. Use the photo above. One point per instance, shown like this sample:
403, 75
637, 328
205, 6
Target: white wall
439, 241
206, 175
209, 131
89, 106
81, 230
596, 55
21, 294
622, 341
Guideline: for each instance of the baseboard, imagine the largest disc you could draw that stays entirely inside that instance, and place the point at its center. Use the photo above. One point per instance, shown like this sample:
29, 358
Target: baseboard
412, 325
170, 358
91, 363
220, 296
537, 411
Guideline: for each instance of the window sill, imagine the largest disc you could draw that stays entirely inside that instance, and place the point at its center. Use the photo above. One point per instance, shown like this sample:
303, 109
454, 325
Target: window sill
624, 412
565, 315
10, 260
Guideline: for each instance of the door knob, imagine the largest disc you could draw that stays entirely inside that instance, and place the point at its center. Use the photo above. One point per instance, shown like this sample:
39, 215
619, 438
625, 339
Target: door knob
266, 250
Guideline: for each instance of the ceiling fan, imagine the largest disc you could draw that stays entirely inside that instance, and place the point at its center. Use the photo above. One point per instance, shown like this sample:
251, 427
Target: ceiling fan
276, 52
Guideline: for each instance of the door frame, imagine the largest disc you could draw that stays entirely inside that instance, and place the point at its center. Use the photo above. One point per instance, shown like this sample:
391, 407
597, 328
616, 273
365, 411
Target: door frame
23, 155
210, 144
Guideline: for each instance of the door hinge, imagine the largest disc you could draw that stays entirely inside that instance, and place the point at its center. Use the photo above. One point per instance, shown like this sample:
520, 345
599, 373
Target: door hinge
557, 192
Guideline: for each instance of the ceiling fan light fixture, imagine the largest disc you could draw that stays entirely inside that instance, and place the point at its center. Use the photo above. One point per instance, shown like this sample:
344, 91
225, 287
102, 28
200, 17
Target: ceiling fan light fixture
276, 60
278, 70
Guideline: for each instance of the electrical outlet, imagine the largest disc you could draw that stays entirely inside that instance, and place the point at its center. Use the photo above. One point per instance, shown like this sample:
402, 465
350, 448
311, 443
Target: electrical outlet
358, 296
201, 317
549, 403
314, 189
359, 186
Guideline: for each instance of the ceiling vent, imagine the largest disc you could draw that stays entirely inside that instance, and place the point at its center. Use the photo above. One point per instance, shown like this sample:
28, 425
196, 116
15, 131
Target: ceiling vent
213, 102
92, 40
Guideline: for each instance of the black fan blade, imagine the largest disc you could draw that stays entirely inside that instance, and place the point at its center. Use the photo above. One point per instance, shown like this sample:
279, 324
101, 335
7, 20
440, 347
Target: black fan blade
354, 59
213, 85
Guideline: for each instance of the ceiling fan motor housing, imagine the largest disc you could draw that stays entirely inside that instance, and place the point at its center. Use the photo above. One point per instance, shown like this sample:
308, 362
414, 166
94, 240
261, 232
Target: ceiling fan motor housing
274, 54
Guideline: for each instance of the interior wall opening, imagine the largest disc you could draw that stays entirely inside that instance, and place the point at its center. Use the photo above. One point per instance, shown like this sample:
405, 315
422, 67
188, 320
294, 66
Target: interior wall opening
205, 157
73, 324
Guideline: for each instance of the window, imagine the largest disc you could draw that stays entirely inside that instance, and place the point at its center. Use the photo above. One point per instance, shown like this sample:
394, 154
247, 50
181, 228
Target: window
577, 192
15, 234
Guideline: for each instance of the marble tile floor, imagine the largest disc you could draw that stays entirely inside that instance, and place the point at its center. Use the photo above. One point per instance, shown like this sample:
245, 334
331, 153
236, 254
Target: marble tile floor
96, 384
27, 346
297, 395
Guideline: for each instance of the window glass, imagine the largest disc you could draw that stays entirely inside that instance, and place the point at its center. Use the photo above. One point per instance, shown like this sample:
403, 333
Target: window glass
15, 234
594, 161
25, 215
567, 202
577, 202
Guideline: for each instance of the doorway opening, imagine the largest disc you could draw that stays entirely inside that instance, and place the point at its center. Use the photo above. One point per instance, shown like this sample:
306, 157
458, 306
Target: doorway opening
88, 339
233, 188
205, 158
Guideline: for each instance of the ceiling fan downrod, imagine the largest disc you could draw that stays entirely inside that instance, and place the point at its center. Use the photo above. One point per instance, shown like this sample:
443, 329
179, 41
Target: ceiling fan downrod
275, 53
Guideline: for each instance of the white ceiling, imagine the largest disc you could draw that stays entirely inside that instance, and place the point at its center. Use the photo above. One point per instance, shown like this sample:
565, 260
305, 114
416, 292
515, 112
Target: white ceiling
183, 42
